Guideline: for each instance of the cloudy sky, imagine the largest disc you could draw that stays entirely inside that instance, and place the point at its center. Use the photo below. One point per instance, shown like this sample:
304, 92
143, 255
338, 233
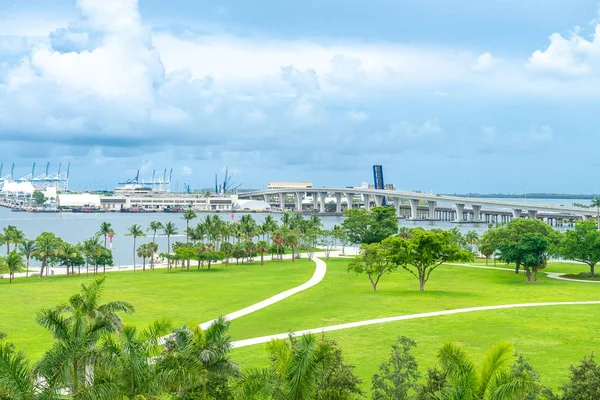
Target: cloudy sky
450, 96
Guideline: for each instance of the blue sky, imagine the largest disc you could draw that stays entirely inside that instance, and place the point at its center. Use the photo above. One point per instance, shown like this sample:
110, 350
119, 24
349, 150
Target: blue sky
450, 96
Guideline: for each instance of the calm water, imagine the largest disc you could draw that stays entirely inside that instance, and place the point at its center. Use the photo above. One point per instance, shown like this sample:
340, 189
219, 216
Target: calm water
77, 227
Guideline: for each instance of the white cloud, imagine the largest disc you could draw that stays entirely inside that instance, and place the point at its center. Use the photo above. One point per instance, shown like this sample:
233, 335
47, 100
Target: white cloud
357, 116
573, 56
407, 130
485, 62
186, 170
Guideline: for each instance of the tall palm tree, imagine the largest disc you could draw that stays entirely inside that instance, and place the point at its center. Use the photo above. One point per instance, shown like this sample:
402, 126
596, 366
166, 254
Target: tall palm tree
17, 379
12, 263
188, 215
279, 240
12, 235
105, 230
169, 230
292, 240
46, 246
596, 203
262, 246
136, 231
27, 248
493, 379
77, 327
154, 226
91, 251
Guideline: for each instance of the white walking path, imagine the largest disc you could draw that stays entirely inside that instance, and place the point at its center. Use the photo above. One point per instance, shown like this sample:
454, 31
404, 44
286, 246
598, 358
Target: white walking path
317, 277
553, 275
264, 339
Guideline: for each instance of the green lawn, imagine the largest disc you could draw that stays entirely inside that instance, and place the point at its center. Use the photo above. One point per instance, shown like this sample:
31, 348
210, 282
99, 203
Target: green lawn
182, 296
552, 337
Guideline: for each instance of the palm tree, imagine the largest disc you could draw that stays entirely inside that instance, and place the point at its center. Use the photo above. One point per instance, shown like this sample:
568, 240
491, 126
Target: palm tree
279, 239
188, 215
146, 250
154, 226
105, 230
12, 263
27, 248
169, 230
91, 250
68, 253
128, 351
136, 231
493, 380
77, 327
262, 246
292, 240
16, 376
195, 356
11, 234
46, 246
596, 203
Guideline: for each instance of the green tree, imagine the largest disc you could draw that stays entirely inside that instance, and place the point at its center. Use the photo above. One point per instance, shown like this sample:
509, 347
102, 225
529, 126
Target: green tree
105, 230
532, 251
584, 381
77, 327
596, 203
262, 246
169, 230
46, 247
582, 244
70, 256
39, 198
135, 231
488, 245
12, 263
17, 380
397, 377
366, 227
424, 251
303, 368
269, 226
188, 215
144, 251
492, 380
27, 248
91, 250
341, 237
374, 261
291, 240
12, 235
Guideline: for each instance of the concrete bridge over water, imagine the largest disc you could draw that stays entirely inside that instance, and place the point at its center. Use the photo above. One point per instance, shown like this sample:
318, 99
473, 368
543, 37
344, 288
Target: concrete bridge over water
424, 206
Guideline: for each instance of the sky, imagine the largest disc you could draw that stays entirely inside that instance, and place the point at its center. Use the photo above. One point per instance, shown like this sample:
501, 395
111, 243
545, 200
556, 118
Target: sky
449, 96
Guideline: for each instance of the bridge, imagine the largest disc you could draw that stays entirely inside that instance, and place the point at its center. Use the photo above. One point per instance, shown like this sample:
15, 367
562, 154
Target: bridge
481, 210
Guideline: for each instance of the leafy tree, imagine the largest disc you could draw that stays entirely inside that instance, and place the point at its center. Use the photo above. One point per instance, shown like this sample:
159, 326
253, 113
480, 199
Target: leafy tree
493, 379
135, 231
12, 264
424, 251
596, 203
366, 227
341, 237
227, 249
582, 244
488, 245
374, 261
433, 386
529, 380
584, 381
188, 215
517, 228
169, 230
239, 251
531, 252
39, 198
302, 368
397, 377
327, 240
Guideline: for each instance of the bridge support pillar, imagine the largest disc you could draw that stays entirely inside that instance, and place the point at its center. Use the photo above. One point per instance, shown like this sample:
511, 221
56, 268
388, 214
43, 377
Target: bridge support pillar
350, 200
460, 210
322, 198
298, 198
397, 206
282, 198
414, 208
532, 214
338, 203
367, 200
379, 200
517, 212
266, 198
432, 205
476, 213
315, 197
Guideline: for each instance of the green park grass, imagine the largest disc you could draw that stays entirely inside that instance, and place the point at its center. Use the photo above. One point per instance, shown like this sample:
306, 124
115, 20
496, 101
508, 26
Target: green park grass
183, 297
553, 338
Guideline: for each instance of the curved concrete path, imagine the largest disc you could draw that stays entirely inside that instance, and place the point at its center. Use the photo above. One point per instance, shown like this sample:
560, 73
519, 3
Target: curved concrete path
264, 339
319, 274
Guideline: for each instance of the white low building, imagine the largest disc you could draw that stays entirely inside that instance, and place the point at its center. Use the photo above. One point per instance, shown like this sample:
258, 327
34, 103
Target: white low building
79, 200
253, 205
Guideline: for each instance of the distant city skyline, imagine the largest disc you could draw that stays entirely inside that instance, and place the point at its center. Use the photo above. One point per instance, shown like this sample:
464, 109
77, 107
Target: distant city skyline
450, 97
